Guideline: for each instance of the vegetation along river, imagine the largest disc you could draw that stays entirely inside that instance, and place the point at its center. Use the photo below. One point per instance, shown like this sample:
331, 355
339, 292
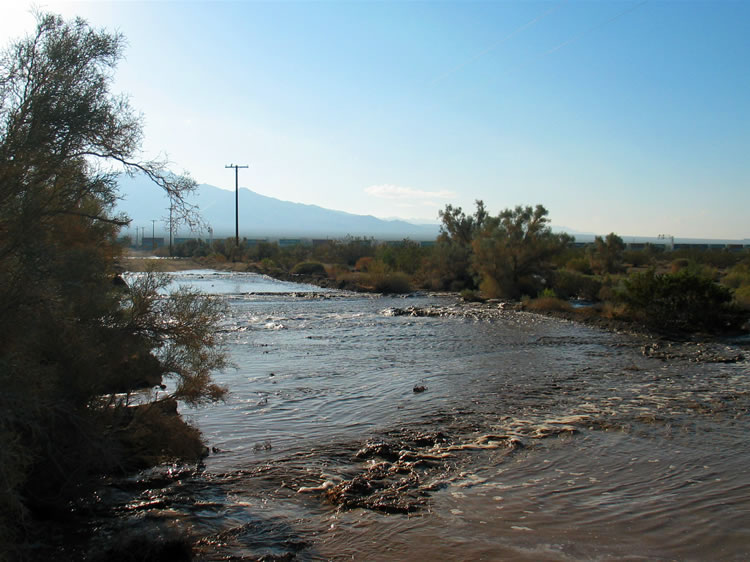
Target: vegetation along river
379, 428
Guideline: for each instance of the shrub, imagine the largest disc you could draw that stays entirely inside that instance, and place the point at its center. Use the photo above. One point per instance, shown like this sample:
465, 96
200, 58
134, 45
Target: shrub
681, 302
469, 295
569, 284
738, 276
636, 258
309, 268
679, 264
580, 265
392, 283
742, 297
364, 263
548, 303
267, 264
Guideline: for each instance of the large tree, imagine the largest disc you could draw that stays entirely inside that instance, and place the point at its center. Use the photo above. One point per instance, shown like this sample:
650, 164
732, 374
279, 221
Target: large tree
512, 251
70, 338
451, 259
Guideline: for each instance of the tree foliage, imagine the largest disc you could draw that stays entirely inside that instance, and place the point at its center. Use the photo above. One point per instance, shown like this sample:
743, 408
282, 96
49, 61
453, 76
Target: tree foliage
679, 302
512, 251
451, 263
607, 254
71, 337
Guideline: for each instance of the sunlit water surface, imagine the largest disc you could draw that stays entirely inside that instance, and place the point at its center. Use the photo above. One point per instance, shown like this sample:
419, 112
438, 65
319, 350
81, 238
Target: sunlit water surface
654, 464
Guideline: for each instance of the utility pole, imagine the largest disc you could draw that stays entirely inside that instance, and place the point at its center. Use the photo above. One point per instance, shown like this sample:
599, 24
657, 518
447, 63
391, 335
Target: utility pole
236, 202
153, 236
170, 227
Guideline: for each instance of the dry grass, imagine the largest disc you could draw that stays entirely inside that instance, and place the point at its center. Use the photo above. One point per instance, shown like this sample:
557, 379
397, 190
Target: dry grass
548, 304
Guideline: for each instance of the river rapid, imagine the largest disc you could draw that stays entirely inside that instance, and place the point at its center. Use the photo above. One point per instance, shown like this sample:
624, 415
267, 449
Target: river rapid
403, 428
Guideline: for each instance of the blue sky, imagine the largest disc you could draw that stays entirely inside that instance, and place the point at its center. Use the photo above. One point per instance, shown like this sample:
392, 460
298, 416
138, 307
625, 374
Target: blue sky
626, 116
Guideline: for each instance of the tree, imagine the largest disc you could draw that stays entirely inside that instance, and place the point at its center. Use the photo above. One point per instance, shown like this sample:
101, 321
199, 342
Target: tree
460, 228
451, 259
512, 250
70, 337
607, 254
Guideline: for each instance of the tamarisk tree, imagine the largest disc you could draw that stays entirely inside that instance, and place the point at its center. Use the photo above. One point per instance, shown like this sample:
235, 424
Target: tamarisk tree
70, 338
513, 249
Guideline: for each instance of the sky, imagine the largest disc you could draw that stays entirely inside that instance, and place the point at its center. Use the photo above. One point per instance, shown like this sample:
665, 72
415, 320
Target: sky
625, 116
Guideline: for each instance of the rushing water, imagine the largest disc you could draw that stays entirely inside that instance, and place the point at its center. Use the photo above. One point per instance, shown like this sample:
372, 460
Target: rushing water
533, 438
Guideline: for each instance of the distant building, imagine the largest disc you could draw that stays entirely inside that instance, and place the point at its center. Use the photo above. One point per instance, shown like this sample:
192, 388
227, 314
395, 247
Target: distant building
289, 242
147, 243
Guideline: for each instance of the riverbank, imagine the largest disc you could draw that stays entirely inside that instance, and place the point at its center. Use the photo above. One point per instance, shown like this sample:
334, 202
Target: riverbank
599, 316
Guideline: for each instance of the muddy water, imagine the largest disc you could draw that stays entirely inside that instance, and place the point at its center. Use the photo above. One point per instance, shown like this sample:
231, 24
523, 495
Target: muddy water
533, 439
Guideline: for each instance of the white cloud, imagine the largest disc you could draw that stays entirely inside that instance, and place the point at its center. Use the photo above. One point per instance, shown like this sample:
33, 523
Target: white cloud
387, 191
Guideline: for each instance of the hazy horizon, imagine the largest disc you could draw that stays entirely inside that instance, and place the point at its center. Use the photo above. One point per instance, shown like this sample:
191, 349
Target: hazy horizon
618, 117
142, 202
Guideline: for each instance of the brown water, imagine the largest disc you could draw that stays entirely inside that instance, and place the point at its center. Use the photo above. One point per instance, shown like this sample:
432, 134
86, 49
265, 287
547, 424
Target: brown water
535, 439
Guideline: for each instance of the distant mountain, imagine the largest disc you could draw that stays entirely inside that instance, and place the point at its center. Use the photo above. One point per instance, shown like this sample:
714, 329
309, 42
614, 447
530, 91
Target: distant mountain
259, 216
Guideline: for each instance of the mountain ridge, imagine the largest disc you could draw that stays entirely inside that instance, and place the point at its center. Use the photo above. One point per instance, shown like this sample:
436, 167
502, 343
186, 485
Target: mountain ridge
259, 215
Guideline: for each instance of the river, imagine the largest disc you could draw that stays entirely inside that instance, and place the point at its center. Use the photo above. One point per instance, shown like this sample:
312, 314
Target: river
403, 428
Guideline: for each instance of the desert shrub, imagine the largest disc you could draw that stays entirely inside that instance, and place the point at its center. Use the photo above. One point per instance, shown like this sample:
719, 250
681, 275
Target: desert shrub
335, 270
309, 268
490, 288
347, 251
470, 295
364, 263
580, 265
392, 282
742, 297
636, 258
679, 264
547, 303
681, 302
406, 256
191, 248
738, 276
612, 310
267, 264
715, 257
570, 284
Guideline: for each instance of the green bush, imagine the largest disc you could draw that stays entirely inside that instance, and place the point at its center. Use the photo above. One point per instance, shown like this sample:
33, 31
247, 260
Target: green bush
742, 297
580, 265
569, 284
738, 276
636, 258
680, 302
309, 268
